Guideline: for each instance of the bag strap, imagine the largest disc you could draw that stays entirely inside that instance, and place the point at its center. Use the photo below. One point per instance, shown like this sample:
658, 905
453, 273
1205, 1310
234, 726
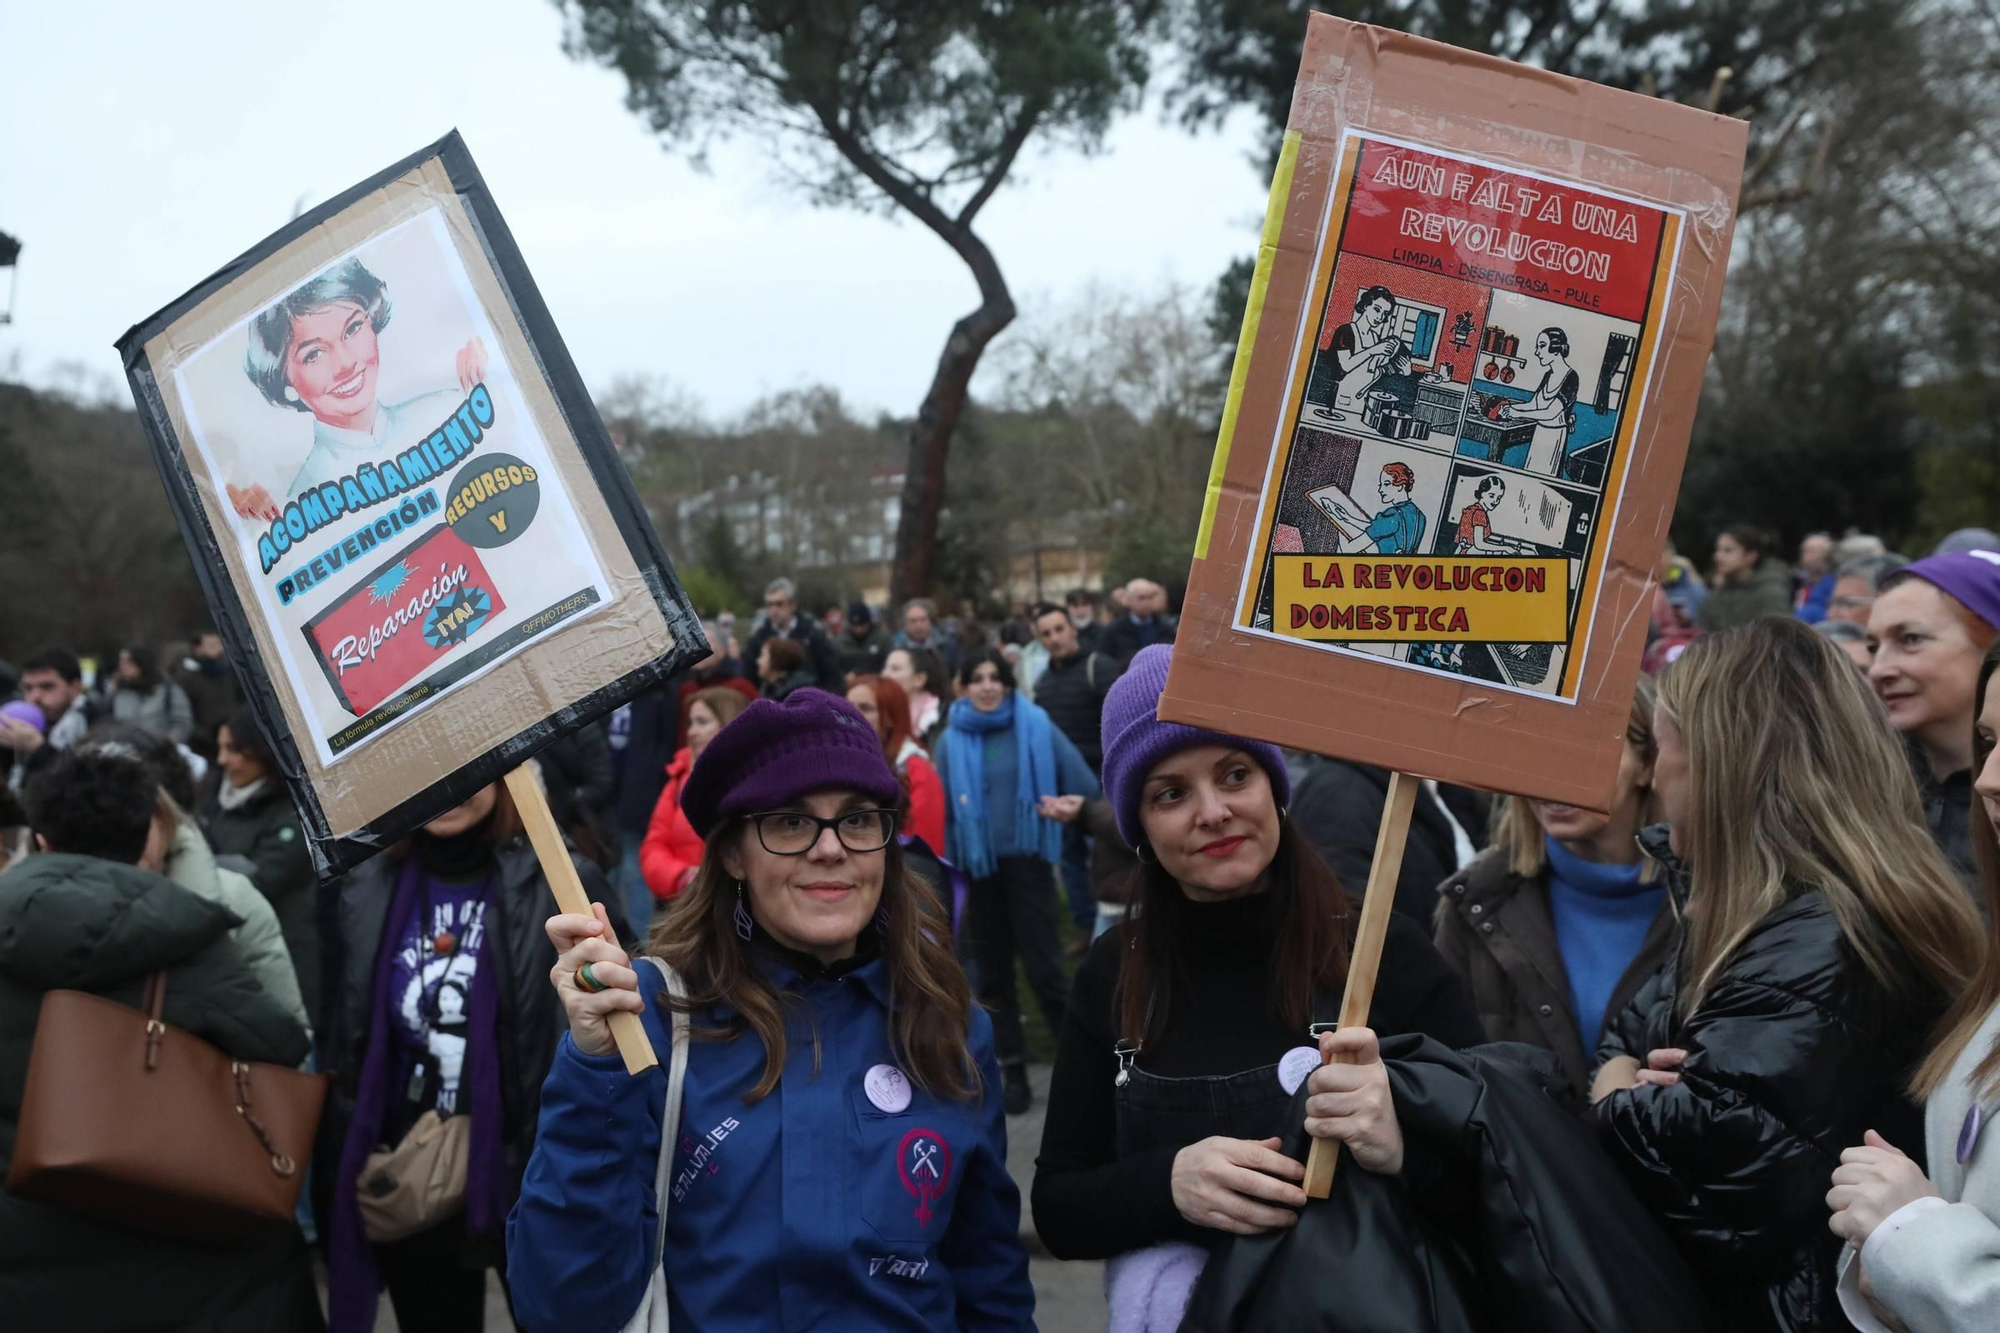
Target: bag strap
156, 1028
670, 1114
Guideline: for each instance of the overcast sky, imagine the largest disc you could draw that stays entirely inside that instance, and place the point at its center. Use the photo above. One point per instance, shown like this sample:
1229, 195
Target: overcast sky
143, 146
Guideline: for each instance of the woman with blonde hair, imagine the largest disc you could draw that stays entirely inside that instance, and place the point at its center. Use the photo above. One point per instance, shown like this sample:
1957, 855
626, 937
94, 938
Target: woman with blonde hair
1927, 1246
831, 1150
1563, 918
1823, 936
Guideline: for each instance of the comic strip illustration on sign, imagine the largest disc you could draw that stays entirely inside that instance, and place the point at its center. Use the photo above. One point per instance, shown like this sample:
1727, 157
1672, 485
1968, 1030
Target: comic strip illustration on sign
1464, 392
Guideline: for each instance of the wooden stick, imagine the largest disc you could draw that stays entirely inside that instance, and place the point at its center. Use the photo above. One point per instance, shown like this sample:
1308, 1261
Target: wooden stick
1366, 960
560, 871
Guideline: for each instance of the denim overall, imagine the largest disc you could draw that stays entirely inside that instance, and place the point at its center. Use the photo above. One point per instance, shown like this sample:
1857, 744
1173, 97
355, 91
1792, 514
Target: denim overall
1158, 1112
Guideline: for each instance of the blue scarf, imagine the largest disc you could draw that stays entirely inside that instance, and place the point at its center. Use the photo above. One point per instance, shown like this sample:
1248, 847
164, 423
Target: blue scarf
970, 832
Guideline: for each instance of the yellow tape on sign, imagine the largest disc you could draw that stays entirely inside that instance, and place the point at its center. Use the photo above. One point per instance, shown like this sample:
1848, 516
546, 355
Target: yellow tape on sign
1253, 314
1433, 599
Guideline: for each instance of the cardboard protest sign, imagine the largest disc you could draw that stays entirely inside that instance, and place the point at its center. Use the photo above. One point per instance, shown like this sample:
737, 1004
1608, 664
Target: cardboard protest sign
409, 521
1460, 406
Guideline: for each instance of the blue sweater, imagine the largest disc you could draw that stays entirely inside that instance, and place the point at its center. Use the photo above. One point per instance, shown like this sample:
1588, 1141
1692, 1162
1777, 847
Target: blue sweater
1602, 914
800, 1211
1073, 778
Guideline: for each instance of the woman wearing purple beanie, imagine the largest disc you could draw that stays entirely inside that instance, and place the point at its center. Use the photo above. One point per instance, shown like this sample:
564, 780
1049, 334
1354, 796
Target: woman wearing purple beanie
1931, 624
1192, 1024
823, 1144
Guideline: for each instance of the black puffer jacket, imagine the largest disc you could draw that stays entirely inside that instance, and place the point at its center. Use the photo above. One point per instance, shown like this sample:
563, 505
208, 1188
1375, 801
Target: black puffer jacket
1795, 1050
81, 923
530, 1019
1504, 1219
1072, 693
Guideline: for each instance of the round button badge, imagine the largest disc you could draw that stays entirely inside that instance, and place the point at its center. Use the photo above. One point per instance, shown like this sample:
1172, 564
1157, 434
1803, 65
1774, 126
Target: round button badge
1296, 1064
887, 1089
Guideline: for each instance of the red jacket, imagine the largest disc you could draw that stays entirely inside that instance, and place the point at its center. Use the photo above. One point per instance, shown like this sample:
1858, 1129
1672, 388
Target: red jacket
671, 849
927, 803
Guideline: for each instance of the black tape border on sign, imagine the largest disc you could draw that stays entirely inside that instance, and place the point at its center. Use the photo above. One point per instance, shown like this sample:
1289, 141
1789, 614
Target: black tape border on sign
334, 855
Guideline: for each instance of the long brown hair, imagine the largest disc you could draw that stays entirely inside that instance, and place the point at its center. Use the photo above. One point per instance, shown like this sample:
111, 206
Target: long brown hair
931, 1000
1962, 1021
1305, 916
1517, 834
1797, 783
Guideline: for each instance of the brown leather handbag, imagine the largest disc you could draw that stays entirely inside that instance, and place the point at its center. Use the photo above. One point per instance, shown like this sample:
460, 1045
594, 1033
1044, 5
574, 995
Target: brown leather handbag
128, 1120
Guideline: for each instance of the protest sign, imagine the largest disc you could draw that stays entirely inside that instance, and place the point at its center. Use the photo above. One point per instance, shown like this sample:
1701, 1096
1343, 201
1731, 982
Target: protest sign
1468, 369
1457, 419
409, 522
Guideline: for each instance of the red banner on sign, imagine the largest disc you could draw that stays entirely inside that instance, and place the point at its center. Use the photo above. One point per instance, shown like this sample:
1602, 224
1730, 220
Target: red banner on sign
393, 627
1503, 229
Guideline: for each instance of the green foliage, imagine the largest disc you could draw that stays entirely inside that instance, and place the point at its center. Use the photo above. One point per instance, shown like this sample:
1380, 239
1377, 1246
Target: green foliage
937, 92
1246, 52
710, 592
89, 553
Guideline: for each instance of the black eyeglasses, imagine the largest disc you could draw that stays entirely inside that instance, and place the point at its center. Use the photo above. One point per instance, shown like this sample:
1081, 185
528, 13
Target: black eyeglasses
794, 833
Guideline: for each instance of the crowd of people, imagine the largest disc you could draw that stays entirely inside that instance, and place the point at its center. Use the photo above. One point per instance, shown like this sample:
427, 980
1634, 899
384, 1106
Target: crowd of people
1762, 991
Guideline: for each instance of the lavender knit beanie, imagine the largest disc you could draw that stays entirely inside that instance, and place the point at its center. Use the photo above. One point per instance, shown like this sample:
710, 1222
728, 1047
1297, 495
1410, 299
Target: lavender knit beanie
773, 753
1135, 740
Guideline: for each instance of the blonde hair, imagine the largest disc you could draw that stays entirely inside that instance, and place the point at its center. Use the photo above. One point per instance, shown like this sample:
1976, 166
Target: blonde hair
1518, 836
1968, 1012
1797, 783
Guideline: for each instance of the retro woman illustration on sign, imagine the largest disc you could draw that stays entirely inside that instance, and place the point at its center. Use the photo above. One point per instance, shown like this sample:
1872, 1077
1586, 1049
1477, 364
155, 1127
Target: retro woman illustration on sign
1553, 408
317, 351
1398, 527
1364, 351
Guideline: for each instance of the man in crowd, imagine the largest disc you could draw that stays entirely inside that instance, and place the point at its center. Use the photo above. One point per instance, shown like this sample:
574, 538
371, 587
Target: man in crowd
783, 620
211, 690
862, 642
1144, 623
1856, 583
1071, 691
921, 630
53, 682
1084, 606
1810, 576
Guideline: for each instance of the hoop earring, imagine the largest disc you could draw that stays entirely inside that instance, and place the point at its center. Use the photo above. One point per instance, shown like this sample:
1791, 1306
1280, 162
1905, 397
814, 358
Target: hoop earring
744, 924
1144, 852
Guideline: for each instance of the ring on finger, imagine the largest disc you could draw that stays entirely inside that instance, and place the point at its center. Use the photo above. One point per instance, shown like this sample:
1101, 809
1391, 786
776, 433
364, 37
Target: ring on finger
586, 980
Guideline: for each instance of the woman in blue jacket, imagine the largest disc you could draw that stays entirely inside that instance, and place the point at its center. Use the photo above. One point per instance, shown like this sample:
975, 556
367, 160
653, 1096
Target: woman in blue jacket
1011, 780
840, 1160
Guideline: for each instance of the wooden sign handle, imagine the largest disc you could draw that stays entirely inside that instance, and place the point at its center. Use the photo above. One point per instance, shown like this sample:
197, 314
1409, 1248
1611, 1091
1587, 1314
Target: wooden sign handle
1366, 959
626, 1029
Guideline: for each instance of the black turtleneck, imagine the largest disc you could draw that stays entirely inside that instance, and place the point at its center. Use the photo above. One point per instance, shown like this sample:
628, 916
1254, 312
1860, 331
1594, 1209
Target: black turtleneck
460, 857
1088, 1203
867, 948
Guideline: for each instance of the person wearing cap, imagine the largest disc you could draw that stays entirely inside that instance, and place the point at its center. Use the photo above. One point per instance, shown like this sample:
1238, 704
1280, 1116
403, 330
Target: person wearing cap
1931, 623
1193, 1023
840, 1160
862, 642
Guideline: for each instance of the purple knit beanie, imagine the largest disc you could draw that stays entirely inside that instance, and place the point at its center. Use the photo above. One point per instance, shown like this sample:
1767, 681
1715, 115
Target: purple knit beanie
1973, 577
773, 753
1135, 740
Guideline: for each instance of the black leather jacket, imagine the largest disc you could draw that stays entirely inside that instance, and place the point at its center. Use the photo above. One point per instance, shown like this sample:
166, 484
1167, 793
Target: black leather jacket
530, 1019
1795, 1050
